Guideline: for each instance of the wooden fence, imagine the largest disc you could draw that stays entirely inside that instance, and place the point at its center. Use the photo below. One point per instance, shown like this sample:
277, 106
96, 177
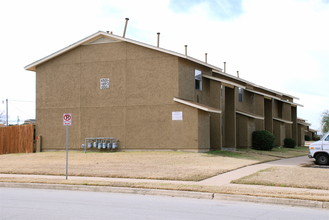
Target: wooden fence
17, 139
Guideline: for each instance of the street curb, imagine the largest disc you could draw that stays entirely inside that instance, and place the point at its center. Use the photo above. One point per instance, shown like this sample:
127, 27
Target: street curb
272, 200
159, 192
172, 193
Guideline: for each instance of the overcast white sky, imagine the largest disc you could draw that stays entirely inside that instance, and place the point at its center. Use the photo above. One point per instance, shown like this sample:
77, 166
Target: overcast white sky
279, 44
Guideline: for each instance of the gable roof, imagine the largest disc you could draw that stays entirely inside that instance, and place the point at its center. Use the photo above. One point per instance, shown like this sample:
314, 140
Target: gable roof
111, 37
105, 37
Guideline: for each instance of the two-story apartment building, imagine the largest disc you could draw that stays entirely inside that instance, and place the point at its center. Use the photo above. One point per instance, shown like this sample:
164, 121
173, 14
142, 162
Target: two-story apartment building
151, 98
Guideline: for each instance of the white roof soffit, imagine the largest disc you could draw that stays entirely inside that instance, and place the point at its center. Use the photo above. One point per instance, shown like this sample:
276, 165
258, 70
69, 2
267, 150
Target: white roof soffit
303, 123
254, 85
301, 119
276, 92
198, 106
282, 120
250, 115
250, 90
233, 77
223, 81
100, 34
312, 130
274, 97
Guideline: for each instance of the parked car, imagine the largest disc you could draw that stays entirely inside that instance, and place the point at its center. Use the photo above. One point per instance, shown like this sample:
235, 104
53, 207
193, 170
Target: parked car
320, 150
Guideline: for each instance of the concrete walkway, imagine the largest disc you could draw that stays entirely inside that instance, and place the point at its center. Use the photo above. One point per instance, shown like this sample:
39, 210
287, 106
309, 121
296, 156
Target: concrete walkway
226, 178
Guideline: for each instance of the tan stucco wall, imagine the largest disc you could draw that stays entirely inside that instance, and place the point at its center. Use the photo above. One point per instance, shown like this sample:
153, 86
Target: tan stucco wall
253, 104
277, 109
215, 118
301, 135
50, 127
186, 82
268, 110
229, 117
294, 127
248, 102
204, 131
153, 128
242, 123
136, 109
286, 114
279, 131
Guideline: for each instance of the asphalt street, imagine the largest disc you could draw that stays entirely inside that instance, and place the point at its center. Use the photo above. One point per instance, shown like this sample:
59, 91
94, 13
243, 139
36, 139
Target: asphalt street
60, 204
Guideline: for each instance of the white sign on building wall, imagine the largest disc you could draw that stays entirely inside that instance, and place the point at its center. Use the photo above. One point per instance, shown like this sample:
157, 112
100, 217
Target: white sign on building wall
177, 116
104, 83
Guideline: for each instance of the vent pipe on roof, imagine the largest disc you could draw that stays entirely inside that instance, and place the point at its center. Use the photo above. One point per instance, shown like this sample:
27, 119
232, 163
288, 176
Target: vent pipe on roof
124, 31
224, 67
158, 42
185, 50
237, 73
206, 57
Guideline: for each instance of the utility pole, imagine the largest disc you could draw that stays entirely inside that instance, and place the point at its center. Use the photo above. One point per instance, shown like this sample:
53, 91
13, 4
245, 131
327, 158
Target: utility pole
7, 111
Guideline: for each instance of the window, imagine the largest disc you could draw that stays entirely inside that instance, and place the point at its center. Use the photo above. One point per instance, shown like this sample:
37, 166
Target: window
198, 80
240, 93
327, 138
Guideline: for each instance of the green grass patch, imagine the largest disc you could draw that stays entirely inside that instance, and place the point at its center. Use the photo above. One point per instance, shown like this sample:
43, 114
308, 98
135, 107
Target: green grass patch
280, 152
252, 154
234, 154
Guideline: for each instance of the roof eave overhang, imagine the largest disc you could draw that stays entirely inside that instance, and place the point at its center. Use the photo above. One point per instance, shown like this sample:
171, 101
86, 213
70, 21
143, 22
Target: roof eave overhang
254, 85
224, 81
198, 106
304, 123
283, 120
274, 97
32, 66
250, 115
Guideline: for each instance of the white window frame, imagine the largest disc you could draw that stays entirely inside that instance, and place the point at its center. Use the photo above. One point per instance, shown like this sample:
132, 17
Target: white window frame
240, 94
198, 79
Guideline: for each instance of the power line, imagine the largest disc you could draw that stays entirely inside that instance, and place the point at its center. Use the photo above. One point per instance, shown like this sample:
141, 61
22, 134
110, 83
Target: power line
21, 111
27, 115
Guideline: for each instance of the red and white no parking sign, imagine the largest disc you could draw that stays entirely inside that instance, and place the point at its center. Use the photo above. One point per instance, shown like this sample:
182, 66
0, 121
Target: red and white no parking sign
67, 119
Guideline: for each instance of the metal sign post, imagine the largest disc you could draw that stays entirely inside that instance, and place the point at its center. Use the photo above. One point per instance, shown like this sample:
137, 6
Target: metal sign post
67, 150
67, 121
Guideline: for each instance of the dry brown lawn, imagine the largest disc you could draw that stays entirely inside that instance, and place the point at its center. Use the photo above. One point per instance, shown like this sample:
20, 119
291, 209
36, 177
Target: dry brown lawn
298, 177
148, 165
171, 166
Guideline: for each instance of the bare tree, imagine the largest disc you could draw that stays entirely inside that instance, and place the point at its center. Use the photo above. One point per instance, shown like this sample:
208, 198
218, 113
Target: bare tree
2, 117
325, 121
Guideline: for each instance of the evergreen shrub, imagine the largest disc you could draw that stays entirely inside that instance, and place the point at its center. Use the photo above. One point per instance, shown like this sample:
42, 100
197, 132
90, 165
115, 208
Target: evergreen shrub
289, 143
262, 140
